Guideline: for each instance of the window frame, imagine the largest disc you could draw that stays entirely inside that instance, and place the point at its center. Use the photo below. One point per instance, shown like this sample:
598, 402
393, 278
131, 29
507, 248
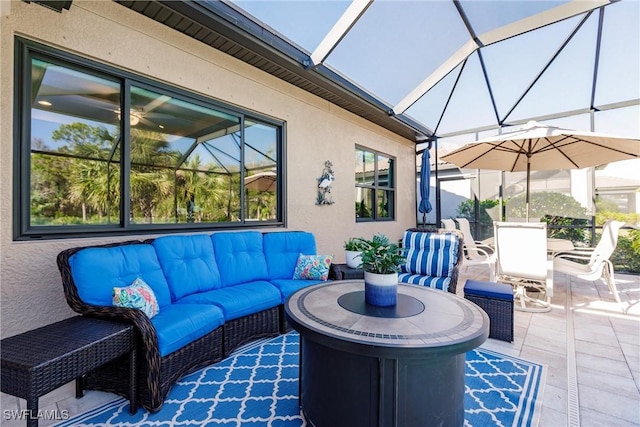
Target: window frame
25, 51
377, 187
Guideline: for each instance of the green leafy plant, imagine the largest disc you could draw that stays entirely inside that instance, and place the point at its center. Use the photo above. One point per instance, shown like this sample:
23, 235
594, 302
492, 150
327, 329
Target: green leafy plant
355, 244
380, 256
545, 203
574, 229
467, 210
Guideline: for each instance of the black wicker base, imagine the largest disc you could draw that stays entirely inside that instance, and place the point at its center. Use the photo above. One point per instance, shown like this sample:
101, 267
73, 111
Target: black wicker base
239, 331
500, 314
152, 391
285, 327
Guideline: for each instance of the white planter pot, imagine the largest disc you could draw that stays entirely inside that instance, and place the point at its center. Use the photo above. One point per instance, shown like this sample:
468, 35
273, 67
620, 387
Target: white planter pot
353, 258
381, 289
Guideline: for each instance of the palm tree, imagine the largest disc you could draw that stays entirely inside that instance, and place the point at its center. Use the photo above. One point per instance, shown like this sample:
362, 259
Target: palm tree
150, 181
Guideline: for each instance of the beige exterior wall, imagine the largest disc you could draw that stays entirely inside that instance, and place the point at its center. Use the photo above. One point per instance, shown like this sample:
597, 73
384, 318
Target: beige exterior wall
316, 131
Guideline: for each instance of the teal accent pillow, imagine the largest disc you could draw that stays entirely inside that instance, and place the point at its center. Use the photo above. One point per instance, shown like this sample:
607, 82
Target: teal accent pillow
313, 267
137, 295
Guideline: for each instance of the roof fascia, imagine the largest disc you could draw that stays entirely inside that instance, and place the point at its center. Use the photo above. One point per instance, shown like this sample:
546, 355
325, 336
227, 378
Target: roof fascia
233, 24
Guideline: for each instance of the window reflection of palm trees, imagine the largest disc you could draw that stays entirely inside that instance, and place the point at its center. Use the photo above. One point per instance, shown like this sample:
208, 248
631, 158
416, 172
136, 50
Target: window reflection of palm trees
83, 171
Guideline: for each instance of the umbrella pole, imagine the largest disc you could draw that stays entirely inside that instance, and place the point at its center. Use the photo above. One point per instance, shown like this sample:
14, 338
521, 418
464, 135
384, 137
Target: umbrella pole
528, 179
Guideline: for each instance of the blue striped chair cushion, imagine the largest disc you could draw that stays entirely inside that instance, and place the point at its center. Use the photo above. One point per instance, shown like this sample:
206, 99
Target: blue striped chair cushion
429, 281
430, 254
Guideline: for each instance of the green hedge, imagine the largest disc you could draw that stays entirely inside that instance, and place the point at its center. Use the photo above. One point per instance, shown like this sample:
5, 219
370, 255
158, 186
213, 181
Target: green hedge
571, 225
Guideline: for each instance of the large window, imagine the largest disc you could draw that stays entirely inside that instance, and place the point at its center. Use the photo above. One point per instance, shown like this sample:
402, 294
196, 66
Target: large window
375, 186
105, 152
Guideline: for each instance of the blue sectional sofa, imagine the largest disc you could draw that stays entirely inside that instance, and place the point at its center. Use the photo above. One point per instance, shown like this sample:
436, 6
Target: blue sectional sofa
214, 293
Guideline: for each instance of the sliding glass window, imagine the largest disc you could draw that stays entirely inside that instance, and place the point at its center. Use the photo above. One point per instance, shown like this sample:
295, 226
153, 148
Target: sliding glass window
102, 151
375, 186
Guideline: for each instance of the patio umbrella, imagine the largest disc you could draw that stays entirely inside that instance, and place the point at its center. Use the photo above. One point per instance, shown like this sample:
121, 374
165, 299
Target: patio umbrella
541, 147
263, 181
425, 178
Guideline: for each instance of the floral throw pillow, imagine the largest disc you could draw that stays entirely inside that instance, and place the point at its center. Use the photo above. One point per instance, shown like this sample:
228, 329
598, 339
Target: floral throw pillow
313, 267
137, 295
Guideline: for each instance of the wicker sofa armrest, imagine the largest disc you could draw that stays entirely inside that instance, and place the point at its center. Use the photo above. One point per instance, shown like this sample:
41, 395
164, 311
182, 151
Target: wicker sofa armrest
148, 338
131, 315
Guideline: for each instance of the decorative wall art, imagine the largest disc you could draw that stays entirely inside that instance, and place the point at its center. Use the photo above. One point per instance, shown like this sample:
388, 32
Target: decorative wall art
324, 185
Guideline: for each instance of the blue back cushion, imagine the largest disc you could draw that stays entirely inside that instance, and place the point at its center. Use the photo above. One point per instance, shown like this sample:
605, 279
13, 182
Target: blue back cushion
188, 264
430, 254
239, 257
281, 249
96, 271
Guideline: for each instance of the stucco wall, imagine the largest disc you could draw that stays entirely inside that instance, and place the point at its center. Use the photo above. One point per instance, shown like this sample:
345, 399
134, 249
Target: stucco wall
316, 131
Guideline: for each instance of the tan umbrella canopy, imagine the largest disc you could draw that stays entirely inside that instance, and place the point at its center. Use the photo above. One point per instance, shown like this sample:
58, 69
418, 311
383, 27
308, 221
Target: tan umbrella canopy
263, 181
540, 147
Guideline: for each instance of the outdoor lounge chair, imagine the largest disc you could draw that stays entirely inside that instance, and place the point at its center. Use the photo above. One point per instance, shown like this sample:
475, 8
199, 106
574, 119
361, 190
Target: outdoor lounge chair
593, 263
475, 253
522, 261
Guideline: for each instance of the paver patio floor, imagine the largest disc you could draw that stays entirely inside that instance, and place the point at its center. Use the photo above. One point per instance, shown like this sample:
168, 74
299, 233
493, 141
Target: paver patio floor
589, 343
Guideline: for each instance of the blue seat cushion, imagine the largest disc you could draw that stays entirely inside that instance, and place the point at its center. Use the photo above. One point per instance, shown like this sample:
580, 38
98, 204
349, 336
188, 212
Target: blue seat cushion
239, 257
239, 300
501, 291
188, 264
97, 270
281, 250
289, 286
430, 254
180, 324
428, 281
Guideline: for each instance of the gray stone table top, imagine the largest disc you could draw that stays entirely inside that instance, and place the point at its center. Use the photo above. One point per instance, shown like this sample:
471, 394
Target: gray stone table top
435, 319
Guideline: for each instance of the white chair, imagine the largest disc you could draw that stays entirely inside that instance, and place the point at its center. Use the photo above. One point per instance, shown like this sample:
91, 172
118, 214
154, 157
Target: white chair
522, 261
448, 224
476, 253
595, 261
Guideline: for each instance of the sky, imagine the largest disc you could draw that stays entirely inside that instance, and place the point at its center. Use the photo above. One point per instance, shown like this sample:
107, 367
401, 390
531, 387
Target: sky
397, 44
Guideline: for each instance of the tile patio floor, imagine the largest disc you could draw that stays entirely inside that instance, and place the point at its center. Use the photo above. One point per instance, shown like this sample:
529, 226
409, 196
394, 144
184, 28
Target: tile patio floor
592, 357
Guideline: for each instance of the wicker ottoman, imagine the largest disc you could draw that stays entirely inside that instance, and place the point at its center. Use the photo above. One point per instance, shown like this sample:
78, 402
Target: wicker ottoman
497, 300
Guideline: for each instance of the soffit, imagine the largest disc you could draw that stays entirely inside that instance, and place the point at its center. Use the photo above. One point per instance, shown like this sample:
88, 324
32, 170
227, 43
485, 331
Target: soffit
228, 31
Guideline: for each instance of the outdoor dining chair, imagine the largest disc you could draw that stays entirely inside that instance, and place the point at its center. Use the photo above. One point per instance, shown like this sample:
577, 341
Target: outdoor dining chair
448, 224
522, 261
475, 252
593, 263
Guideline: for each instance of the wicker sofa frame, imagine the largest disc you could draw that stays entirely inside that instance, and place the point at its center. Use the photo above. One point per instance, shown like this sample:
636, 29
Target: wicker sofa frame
453, 284
156, 374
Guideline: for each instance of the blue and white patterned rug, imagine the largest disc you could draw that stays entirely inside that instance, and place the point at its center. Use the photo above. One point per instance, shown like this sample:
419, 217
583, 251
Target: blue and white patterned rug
258, 386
